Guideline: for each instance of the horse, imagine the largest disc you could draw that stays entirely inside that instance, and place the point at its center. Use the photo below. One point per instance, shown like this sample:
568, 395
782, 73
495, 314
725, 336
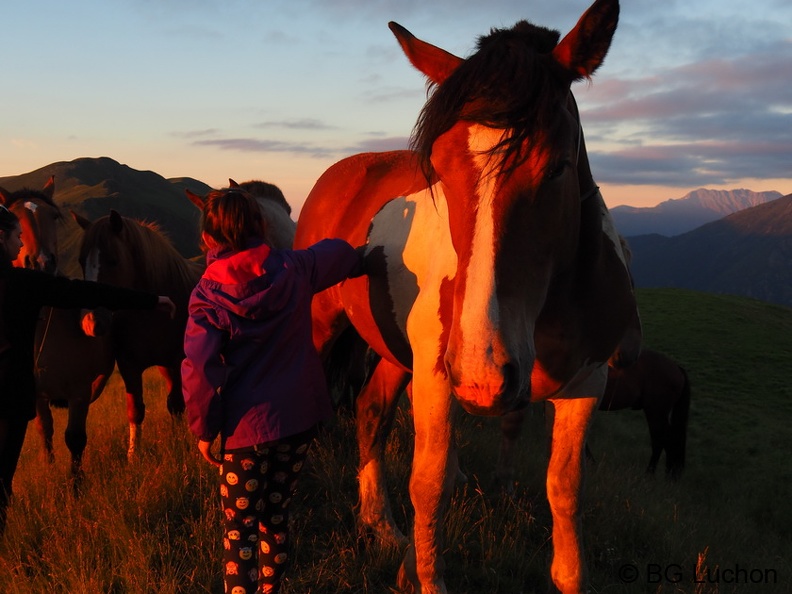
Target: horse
660, 387
129, 253
71, 368
495, 276
279, 226
655, 384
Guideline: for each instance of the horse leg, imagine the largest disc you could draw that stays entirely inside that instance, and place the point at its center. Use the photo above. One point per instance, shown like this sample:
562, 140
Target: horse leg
511, 427
136, 409
76, 437
434, 471
375, 408
175, 398
45, 427
571, 421
659, 428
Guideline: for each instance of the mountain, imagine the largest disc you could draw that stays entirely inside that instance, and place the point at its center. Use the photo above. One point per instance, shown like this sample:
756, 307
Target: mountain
93, 186
674, 217
747, 253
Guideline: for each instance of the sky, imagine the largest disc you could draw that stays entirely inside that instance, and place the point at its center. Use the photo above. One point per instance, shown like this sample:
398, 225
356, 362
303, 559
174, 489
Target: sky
691, 95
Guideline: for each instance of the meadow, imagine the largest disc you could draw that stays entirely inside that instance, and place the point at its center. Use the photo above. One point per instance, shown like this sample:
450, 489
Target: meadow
152, 525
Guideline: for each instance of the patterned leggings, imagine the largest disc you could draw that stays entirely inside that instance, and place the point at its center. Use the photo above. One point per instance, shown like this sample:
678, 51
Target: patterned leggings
256, 488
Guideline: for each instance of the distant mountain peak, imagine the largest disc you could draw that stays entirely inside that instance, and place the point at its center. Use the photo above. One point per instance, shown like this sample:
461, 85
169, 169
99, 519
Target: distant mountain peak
680, 215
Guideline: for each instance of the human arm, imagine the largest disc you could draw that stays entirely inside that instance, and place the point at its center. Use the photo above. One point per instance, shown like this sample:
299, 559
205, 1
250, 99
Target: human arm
331, 261
60, 291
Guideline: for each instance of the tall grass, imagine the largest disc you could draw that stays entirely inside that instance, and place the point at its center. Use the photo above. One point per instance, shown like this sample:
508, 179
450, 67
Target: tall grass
153, 525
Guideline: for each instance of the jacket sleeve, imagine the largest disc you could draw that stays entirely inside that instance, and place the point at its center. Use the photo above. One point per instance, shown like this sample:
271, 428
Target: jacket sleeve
60, 291
332, 261
203, 372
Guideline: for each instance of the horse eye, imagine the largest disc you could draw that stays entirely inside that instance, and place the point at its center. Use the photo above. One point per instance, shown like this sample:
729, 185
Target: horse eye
556, 170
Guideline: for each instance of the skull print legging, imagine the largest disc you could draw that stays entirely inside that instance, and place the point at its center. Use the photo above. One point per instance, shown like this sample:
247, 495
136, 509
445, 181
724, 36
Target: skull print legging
256, 488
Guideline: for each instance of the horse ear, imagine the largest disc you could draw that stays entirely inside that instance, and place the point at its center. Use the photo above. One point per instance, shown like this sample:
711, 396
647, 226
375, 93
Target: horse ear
199, 201
232, 183
583, 49
437, 64
4, 196
116, 223
49, 188
80, 220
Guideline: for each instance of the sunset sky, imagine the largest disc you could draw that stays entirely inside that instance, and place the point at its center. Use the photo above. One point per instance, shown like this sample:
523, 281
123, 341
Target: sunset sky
692, 94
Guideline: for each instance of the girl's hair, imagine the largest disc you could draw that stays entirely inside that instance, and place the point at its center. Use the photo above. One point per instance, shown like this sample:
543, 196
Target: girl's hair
231, 217
8, 220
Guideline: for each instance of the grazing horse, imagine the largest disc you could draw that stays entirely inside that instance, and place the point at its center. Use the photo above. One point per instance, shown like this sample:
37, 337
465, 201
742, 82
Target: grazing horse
71, 368
656, 384
659, 386
495, 276
121, 251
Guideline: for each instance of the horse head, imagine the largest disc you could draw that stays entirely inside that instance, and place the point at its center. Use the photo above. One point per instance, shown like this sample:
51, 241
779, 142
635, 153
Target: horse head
500, 142
38, 218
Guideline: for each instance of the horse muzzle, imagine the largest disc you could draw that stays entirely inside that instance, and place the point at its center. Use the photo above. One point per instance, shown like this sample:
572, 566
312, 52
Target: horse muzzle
501, 394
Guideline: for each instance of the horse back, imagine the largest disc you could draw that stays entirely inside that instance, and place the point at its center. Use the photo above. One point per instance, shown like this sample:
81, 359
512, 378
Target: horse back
348, 195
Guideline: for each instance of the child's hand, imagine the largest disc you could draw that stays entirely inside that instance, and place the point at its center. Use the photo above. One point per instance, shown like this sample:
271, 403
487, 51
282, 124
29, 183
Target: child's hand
205, 447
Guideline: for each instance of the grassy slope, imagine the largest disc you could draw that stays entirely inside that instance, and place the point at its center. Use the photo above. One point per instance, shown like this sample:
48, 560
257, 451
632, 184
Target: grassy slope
153, 525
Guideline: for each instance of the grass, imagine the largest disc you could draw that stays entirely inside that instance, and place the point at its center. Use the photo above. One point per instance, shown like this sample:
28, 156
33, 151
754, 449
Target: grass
153, 525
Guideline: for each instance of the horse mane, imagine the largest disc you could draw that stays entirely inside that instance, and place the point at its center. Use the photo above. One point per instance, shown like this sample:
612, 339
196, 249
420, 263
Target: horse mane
25, 194
268, 191
157, 261
511, 82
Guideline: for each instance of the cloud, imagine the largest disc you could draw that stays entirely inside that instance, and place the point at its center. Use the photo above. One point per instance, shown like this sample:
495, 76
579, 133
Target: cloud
301, 124
710, 122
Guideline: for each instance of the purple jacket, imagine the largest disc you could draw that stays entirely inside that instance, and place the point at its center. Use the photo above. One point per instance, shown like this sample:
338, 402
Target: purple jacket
251, 372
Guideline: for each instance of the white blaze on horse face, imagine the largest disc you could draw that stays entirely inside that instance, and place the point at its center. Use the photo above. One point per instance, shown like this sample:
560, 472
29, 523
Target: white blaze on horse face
91, 271
476, 355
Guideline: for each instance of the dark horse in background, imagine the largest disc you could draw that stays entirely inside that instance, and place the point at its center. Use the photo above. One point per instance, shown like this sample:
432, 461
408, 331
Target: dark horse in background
121, 251
655, 384
71, 368
495, 276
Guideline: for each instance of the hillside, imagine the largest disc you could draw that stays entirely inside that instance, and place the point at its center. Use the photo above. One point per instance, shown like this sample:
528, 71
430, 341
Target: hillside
747, 253
677, 216
93, 186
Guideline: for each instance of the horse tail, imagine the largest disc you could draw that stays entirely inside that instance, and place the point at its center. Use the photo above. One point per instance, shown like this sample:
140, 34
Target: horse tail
677, 436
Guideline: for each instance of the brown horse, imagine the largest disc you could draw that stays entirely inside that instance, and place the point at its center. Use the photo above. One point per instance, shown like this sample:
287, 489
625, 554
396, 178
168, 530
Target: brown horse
71, 368
495, 276
129, 253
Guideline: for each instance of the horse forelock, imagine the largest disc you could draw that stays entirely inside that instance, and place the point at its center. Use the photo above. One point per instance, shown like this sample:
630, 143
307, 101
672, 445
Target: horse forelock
513, 83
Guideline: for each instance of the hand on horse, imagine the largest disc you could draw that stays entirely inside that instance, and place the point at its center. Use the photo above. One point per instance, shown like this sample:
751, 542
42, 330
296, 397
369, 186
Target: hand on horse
165, 304
205, 447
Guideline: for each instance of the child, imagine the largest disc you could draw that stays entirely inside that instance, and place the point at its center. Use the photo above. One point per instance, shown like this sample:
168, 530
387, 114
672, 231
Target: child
23, 293
253, 377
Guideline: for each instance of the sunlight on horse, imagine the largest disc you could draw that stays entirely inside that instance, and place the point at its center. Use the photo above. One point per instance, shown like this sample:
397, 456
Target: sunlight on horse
71, 368
495, 274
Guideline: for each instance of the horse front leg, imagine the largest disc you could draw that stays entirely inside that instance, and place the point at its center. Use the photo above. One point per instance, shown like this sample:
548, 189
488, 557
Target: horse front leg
375, 408
571, 421
45, 427
136, 409
434, 471
511, 426
76, 437
173, 384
